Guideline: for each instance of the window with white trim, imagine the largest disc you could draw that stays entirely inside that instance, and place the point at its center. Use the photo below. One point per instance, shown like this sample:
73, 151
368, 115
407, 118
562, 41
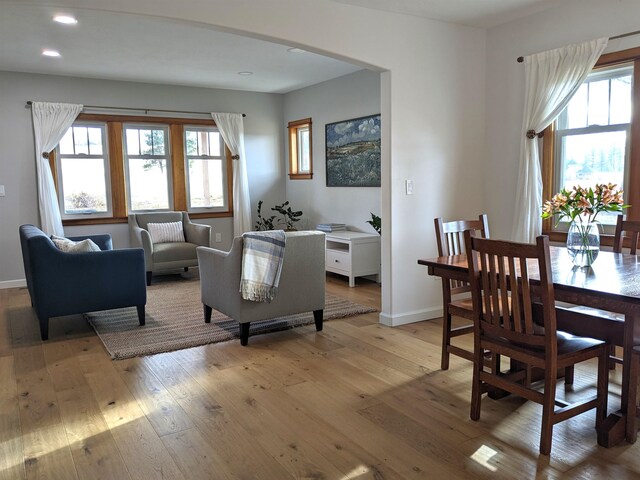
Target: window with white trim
206, 169
83, 169
147, 168
592, 134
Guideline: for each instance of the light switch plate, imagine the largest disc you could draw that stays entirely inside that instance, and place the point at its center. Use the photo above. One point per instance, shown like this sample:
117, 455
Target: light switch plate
1, 190
408, 186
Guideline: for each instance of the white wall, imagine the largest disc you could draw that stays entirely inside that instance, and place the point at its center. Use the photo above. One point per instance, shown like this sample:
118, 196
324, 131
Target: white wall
432, 105
263, 138
575, 21
350, 96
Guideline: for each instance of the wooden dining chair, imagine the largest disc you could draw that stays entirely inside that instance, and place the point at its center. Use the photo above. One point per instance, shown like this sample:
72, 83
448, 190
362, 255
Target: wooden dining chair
449, 236
505, 323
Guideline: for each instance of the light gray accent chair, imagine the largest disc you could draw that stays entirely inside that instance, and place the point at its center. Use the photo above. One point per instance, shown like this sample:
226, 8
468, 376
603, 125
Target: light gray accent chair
170, 255
301, 288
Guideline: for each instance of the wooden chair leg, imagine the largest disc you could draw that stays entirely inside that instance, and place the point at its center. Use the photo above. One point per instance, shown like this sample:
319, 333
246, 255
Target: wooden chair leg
476, 390
148, 279
317, 316
141, 314
612, 353
44, 328
244, 333
569, 374
207, 313
446, 340
548, 408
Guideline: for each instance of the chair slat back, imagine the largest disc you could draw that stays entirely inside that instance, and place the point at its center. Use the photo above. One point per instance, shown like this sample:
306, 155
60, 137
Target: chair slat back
626, 229
503, 296
450, 239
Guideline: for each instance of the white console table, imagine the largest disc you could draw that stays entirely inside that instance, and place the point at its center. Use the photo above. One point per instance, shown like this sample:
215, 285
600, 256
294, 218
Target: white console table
353, 254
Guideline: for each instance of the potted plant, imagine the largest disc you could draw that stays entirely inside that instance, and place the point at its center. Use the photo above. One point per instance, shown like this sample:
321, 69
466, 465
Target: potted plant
376, 223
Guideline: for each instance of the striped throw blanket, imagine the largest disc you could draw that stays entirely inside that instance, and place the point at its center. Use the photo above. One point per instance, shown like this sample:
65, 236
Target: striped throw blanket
262, 256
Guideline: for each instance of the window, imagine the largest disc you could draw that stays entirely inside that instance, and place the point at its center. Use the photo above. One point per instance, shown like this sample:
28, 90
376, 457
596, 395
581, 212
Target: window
591, 136
83, 168
107, 166
300, 158
592, 140
206, 167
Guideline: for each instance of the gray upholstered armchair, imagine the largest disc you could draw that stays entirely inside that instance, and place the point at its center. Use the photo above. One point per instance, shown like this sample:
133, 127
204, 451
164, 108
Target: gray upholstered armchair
301, 288
167, 255
63, 283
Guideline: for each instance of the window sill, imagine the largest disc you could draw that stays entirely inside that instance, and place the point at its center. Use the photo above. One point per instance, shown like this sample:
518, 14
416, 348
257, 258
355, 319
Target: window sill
556, 236
300, 176
113, 220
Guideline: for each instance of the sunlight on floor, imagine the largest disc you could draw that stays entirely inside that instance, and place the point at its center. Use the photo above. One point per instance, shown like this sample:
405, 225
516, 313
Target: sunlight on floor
483, 455
359, 471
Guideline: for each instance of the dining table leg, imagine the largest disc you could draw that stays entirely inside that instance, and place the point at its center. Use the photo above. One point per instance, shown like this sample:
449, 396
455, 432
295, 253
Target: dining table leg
622, 424
630, 378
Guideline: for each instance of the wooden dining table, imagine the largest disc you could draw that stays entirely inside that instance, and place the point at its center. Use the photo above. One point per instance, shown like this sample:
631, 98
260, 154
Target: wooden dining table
611, 284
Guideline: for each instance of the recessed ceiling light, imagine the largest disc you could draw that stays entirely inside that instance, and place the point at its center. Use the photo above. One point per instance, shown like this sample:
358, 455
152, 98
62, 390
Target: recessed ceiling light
245, 73
50, 53
296, 50
66, 19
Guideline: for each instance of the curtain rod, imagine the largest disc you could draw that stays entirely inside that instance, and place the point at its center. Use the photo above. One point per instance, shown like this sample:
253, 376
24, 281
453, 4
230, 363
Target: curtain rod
630, 34
145, 110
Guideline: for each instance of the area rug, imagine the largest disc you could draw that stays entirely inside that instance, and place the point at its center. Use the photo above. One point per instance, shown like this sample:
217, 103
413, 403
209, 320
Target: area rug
175, 320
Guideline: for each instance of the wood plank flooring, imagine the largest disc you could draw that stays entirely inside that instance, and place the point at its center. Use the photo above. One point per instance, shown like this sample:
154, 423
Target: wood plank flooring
356, 401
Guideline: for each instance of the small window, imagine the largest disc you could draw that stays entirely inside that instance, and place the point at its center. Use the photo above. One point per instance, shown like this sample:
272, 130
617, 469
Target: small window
300, 158
83, 172
206, 166
147, 168
592, 134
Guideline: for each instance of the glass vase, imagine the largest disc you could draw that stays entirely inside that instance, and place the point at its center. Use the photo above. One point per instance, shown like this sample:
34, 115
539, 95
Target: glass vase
583, 243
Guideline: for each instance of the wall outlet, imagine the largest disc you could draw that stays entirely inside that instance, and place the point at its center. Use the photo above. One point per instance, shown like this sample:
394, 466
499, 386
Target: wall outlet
1, 190
218, 237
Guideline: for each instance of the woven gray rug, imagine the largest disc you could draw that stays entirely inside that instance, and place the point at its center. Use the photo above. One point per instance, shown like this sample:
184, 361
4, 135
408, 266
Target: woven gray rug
175, 320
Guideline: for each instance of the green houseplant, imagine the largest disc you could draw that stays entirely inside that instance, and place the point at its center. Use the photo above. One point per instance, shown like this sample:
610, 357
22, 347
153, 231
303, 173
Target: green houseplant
376, 223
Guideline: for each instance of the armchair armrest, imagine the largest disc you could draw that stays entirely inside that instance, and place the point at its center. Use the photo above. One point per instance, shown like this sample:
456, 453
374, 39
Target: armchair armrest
140, 238
220, 274
104, 240
89, 281
197, 233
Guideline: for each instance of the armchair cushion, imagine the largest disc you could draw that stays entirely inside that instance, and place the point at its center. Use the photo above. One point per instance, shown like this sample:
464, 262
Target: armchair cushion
166, 232
70, 246
174, 252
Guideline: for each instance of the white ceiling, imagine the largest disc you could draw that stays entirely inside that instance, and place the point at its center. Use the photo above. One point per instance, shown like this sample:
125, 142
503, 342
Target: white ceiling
143, 49
474, 13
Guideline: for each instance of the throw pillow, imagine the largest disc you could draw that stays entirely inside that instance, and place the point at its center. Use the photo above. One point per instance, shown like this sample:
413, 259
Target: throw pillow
69, 246
166, 232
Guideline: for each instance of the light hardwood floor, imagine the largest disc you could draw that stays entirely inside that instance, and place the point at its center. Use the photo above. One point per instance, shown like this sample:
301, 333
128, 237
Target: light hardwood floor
357, 401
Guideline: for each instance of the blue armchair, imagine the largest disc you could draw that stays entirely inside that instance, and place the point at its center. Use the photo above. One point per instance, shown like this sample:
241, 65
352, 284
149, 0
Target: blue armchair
67, 283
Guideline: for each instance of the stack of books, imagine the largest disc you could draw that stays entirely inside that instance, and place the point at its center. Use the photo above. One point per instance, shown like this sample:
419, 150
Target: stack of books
331, 227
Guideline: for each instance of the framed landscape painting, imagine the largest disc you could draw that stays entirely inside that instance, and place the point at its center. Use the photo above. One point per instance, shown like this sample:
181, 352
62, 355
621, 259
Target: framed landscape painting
353, 152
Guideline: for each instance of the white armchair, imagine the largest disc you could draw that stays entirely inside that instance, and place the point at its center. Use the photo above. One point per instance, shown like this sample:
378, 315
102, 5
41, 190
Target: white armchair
301, 288
168, 255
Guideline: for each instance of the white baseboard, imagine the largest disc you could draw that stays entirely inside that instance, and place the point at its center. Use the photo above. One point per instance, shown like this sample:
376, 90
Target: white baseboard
13, 283
410, 317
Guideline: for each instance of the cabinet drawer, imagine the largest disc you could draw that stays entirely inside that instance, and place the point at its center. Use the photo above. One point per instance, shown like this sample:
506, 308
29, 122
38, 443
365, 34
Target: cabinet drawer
338, 261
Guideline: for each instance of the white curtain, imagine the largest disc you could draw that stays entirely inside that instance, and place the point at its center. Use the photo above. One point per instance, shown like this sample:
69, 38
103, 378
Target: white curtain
552, 78
50, 122
231, 128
